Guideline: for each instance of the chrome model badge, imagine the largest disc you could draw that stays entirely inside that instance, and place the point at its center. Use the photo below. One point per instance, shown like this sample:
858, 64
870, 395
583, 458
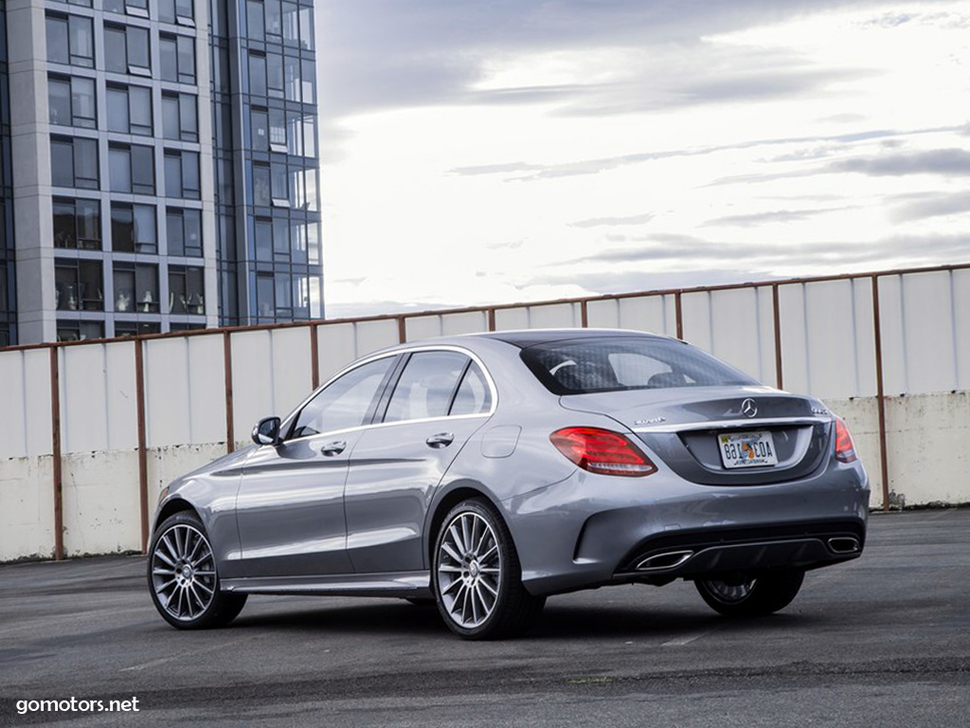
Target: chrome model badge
749, 408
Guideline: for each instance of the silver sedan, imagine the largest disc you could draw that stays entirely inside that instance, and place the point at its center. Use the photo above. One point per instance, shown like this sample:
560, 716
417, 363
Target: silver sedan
485, 473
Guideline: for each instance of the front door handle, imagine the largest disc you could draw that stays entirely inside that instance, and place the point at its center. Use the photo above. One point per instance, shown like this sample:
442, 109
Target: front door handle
333, 448
442, 439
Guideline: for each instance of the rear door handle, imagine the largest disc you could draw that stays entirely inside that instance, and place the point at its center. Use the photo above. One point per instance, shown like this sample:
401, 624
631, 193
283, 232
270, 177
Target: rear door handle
333, 448
442, 439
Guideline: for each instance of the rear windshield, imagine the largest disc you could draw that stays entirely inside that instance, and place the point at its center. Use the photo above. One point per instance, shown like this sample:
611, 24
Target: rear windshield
580, 366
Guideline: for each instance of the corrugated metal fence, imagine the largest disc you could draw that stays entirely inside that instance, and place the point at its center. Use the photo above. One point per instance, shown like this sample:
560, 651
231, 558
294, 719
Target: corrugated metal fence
89, 430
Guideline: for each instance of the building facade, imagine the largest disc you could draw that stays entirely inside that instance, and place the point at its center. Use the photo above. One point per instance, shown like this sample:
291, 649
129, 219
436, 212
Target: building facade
164, 160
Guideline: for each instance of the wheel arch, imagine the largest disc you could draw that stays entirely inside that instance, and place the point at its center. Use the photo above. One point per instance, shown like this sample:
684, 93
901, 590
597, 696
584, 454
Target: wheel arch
170, 508
445, 503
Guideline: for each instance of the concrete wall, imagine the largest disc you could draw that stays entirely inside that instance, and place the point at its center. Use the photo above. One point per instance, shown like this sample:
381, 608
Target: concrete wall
826, 348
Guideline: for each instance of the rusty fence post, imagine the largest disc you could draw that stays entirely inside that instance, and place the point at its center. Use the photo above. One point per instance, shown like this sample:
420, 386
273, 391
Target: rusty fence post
880, 394
56, 454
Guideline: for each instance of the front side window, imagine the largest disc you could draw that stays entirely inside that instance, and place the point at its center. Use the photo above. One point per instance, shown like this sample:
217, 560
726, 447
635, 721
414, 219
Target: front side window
345, 402
612, 364
426, 386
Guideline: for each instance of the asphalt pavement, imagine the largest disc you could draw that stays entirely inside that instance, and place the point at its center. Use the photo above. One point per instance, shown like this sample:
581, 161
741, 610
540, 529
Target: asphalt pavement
883, 641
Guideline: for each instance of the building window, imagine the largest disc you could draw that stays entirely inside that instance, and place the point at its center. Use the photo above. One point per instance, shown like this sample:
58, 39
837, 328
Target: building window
129, 109
79, 330
133, 228
77, 223
177, 57
182, 174
180, 117
71, 101
257, 74
138, 8
186, 288
260, 187
132, 169
4, 292
259, 123
255, 26
74, 162
184, 232
127, 49
70, 40
186, 327
136, 328
136, 287
176, 11
78, 285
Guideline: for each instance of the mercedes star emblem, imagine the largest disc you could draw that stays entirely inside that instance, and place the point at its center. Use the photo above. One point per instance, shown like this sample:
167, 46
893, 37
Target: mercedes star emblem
749, 408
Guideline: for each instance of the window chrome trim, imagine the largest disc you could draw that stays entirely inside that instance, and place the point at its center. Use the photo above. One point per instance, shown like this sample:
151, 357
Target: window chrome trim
493, 391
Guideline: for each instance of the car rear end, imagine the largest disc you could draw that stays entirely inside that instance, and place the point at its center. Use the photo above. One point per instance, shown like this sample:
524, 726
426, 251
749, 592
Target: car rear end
702, 473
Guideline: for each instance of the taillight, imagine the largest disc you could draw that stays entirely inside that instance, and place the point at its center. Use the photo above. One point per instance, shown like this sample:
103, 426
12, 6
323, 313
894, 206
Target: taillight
844, 447
602, 451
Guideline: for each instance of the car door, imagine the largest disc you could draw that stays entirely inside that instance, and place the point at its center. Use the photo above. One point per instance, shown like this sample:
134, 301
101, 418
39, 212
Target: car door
440, 399
289, 507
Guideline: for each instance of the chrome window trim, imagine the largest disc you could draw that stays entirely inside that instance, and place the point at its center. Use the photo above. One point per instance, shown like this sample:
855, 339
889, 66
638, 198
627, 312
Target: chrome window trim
285, 425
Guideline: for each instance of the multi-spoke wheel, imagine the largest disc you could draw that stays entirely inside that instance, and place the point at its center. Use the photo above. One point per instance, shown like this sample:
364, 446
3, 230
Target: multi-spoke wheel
183, 579
751, 597
477, 577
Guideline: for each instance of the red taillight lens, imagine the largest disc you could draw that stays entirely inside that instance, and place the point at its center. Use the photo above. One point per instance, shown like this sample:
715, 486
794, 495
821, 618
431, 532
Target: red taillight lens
602, 451
844, 447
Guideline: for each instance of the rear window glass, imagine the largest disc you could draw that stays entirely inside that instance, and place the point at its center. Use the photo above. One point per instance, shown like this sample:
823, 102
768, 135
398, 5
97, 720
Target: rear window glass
580, 366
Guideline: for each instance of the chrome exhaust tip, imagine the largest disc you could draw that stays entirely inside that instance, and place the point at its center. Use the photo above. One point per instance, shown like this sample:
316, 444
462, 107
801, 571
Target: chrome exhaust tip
668, 560
844, 545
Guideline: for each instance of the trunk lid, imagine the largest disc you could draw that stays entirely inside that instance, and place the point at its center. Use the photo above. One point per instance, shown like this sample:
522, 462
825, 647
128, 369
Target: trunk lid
683, 425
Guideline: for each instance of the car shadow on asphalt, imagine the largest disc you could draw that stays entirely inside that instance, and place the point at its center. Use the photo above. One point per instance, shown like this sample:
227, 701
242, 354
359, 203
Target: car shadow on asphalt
557, 621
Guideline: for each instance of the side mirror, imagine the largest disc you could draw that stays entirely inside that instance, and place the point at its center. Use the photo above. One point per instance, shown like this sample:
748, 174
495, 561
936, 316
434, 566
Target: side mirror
267, 431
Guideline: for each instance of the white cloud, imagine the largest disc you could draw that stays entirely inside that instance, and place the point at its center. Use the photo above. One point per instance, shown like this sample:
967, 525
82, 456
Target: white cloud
787, 133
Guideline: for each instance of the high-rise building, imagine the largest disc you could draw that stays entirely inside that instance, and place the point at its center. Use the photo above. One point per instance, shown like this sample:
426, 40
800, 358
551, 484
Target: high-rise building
164, 166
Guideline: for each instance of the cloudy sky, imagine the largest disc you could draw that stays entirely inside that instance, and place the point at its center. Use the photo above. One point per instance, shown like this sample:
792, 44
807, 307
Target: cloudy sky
492, 151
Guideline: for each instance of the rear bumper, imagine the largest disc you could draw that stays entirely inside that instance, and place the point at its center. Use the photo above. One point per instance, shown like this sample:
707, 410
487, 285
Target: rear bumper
592, 530
718, 551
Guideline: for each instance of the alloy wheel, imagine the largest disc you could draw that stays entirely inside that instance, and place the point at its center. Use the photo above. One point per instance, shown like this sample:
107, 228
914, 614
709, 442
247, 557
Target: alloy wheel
469, 570
183, 572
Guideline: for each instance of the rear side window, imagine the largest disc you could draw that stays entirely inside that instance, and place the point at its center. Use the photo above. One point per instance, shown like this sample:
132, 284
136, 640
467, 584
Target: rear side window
581, 366
426, 386
473, 396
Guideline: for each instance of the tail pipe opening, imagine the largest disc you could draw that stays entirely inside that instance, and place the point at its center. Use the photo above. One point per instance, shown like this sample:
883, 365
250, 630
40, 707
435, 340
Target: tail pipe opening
667, 560
844, 545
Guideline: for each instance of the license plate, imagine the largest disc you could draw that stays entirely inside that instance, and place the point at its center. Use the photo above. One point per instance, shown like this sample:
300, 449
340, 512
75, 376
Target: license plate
747, 449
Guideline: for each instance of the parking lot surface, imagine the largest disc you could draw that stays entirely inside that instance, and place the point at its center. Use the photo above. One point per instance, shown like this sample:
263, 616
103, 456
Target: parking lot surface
883, 641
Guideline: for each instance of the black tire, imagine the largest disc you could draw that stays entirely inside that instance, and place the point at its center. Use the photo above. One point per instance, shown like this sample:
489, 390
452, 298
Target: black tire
464, 587
183, 578
755, 597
